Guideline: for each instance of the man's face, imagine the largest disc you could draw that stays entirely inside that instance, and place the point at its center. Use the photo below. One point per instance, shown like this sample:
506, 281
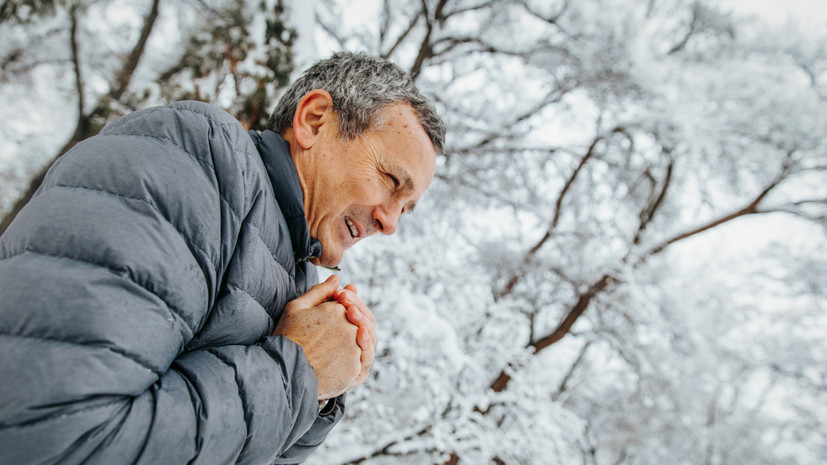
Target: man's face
360, 187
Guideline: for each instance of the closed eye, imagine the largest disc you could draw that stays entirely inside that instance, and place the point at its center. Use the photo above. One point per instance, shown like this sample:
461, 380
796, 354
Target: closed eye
394, 179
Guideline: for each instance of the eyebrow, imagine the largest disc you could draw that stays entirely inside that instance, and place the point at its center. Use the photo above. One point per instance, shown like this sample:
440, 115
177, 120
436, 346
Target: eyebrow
409, 187
406, 181
403, 176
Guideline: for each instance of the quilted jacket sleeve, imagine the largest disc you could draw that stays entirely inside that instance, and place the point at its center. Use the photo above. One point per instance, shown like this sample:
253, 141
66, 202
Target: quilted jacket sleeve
317, 433
107, 275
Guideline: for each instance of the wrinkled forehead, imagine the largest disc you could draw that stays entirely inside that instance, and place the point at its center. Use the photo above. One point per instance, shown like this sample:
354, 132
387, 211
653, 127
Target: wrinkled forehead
410, 151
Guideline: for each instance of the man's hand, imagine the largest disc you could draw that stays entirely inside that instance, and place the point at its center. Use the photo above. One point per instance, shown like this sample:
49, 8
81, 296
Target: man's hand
332, 344
359, 314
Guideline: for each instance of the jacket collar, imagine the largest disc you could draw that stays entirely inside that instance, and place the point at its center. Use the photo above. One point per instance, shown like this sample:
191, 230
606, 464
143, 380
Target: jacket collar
275, 153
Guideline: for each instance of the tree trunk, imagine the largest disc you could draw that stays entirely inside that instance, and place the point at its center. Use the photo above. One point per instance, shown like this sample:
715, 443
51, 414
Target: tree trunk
85, 127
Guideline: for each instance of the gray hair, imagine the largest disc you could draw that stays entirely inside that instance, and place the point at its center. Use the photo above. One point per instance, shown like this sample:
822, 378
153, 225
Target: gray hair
361, 86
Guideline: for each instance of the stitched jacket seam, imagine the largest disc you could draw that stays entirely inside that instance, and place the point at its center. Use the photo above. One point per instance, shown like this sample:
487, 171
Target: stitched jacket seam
115, 350
186, 238
174, 310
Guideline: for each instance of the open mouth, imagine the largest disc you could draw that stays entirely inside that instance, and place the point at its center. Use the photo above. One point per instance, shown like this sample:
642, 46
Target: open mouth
354, 231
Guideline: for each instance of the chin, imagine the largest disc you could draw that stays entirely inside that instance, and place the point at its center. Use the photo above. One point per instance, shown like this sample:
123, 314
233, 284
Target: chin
327, 261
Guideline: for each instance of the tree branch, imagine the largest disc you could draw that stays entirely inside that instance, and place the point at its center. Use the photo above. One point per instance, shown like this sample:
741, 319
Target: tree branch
692, 26
385, 450
563, 328
450, 43
654, 203
554, 19
567, 377
583, 301
124, 76
458, 11
426, 49
334, 34
4, 8
75, 50
84, 127
81, 125
750, 209
554, 96
404, 34
558, 205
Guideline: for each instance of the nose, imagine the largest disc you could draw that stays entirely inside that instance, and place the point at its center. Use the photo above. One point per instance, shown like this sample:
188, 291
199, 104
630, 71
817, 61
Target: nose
386, 219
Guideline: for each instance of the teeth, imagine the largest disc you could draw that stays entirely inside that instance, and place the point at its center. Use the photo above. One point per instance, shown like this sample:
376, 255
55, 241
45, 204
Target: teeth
353, 231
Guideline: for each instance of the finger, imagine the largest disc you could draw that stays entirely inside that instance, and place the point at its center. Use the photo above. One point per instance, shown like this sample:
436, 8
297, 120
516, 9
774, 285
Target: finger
320, 292
372, 331
368, 313
348, 298
365, 343
367, 356
344, 295
351, 287
356, 317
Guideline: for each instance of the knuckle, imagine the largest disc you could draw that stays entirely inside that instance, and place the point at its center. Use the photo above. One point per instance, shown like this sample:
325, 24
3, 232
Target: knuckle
332, 306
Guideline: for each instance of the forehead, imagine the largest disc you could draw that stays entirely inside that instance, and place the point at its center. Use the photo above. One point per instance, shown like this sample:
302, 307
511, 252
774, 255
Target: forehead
406, 146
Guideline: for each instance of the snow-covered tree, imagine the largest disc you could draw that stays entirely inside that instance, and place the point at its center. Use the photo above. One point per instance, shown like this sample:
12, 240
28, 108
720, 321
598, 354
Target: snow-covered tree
563, 296
111, 57
621, 259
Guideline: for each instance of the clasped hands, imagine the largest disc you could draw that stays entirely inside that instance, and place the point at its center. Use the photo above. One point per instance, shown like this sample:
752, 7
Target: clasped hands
336, 330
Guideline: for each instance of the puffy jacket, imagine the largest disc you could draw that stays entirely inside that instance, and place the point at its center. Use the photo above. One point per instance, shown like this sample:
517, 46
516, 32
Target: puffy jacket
138, 292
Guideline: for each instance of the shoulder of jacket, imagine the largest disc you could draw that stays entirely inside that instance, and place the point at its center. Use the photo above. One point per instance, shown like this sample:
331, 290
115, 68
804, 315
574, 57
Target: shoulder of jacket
181, 116
211, 112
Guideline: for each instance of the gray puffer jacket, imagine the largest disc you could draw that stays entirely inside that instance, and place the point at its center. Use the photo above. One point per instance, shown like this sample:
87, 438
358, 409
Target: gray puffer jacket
138, 292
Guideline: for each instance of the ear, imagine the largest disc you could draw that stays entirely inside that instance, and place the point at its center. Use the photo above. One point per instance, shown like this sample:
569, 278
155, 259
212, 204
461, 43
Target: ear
312, 113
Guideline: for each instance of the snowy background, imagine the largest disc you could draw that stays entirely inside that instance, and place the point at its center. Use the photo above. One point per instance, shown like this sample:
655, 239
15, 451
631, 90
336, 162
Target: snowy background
622, 259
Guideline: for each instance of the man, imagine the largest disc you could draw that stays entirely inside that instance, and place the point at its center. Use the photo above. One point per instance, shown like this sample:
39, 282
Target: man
157, 302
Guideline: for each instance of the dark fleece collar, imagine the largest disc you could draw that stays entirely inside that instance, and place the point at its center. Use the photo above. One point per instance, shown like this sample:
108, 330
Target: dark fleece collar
275, 153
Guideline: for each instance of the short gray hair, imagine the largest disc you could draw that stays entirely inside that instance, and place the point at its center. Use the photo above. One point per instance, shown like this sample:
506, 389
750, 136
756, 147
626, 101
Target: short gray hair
361, 86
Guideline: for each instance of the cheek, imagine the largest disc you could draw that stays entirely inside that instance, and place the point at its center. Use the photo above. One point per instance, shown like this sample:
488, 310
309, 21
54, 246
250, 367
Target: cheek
366, 191
361, 198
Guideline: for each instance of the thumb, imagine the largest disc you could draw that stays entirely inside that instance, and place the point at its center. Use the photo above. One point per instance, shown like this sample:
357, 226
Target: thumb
319, 293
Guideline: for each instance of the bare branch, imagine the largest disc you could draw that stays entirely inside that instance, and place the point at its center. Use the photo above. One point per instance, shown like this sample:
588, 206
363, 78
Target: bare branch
84, 127
426, 50
404, 34
599, 286
553, 19
799, 376
386, 21
450, 43
448, 15
575, 312
331, 32
567, 377
554, 96
124, 76
794, 208
622, 457
385, 449
693, 24
655, 201
558, 205
75, 49
563, 328
12, 57
750, 209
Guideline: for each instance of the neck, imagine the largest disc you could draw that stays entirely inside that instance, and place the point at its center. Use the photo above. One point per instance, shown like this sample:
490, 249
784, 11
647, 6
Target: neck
303, 164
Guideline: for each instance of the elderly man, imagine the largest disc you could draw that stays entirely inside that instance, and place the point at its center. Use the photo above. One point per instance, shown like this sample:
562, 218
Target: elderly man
157, 299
